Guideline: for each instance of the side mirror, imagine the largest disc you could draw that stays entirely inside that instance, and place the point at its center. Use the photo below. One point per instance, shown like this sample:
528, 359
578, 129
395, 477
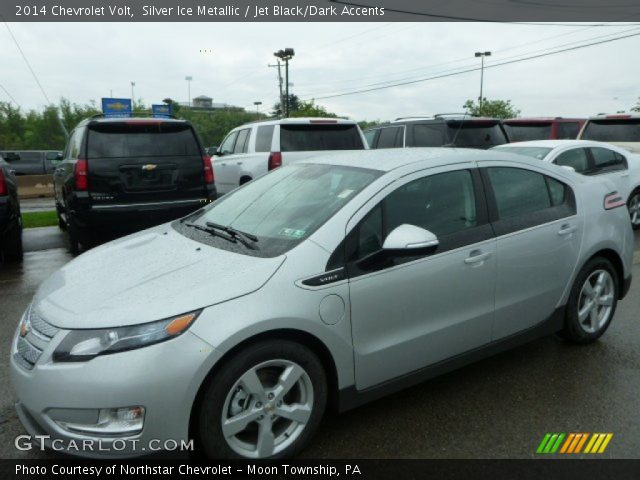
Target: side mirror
409, 237
567, 167
59, 156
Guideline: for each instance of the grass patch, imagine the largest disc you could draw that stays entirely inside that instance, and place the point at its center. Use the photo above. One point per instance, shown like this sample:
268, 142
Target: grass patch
39, 219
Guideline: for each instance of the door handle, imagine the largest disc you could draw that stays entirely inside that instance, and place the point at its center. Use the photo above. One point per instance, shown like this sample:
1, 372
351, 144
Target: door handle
476, 256
566, 229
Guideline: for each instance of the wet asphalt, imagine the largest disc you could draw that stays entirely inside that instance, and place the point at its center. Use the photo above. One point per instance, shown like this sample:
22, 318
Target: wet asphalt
500, 407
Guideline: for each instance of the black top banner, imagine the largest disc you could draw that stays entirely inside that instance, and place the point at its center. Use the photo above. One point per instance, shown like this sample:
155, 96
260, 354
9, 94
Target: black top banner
319, 11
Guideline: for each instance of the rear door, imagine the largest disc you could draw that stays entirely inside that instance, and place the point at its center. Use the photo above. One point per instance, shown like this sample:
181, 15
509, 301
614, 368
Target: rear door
142, 161
614, 165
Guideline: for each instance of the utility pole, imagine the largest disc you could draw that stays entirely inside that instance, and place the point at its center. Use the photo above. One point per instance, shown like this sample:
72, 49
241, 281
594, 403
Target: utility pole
188, 78
286, 55
278, 66
481, 55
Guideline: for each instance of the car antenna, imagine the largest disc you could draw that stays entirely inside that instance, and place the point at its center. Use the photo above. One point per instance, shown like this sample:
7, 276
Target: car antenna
455, 137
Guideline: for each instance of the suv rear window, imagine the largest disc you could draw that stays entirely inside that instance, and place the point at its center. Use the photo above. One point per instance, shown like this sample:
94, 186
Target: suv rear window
475, 134
297, 138
121, 139
522, 132
621, 130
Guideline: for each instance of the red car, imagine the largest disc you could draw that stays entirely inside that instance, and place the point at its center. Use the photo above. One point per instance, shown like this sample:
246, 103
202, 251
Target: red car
542, 128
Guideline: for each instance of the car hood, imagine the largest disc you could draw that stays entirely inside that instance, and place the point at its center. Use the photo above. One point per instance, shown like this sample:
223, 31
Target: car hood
148, 276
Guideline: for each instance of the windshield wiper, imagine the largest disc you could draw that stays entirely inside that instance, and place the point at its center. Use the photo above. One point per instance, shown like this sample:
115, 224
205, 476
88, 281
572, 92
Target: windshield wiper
232, 231
222, 234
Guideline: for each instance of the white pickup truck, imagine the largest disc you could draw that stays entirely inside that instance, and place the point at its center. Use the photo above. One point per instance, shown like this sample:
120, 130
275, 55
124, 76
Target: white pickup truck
253, 149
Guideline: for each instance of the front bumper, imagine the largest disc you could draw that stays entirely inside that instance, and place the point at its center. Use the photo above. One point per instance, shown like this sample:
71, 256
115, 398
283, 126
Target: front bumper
163, 378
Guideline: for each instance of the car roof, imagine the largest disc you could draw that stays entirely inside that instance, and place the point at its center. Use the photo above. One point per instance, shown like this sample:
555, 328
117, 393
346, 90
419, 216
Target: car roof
555, 144
389, 159
440, 118
543, 119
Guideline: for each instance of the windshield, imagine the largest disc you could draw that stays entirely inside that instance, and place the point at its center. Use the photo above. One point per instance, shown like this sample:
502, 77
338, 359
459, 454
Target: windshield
533, 152
283, 207
475, 134
613, 130
521, 132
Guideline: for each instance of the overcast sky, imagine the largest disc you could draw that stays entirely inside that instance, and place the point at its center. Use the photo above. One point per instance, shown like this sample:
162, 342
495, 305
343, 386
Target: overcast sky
84, 61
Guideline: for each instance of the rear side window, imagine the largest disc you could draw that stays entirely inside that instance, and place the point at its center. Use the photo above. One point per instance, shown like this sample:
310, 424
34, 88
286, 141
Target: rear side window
391, 137
263, 138
575, 158
242, 141
478, 134
429, 135
115, 140
75, 144
613, 130
567, 130
518, 192
522, 132
317, 137
605, 159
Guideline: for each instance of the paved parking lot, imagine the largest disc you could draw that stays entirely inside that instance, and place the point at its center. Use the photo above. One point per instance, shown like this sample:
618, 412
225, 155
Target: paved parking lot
498, 408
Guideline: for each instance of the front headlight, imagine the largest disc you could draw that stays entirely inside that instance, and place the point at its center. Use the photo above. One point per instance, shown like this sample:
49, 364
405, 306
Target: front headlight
82, 345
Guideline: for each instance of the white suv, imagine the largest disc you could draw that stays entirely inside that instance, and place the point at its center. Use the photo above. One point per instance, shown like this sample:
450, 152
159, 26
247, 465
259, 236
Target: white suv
253, 149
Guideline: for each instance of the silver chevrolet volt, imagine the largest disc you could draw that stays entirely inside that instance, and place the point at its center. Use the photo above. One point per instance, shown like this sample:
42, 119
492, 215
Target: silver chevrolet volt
330, 282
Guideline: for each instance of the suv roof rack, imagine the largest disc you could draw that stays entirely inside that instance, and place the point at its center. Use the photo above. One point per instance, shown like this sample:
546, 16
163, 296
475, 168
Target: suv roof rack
437, 115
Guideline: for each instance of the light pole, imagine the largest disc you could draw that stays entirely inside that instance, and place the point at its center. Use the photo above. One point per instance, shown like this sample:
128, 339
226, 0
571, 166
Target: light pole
257, 104
481, 55
133, 98
188, 78
285, 55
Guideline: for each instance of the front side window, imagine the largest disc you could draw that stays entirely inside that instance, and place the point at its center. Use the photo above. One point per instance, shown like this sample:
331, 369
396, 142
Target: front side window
228, 143
242, 141
283, 207
443, 203
575, 158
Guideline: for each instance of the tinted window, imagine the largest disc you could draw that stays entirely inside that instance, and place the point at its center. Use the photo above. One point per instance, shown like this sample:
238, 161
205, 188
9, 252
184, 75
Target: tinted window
476, 134
32, 158
518, 192
605, 159
285, 206
522, 132
613, 130
228, 143
567, 130
242, 141
390, 137
75, 143
114, 140
296, 138
575, 158
429, 135
263, 138
557, 191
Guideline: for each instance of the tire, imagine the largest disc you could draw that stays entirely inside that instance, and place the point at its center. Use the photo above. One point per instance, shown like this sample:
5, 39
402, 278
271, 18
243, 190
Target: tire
247, 386
586, 320
61, 223
72, 235
633, 205
12, 250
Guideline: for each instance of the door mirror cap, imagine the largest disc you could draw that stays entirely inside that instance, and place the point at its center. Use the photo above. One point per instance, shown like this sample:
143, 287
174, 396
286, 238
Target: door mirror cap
410, 237
567, 167
58, 156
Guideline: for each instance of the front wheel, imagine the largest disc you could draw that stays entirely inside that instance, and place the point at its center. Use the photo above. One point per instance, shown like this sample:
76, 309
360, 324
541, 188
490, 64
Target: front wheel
592, 302
266, 402
634, 209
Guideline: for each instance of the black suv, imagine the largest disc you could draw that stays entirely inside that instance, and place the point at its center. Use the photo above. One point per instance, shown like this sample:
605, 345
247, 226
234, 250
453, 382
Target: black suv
443, 130
120, 175
10, 218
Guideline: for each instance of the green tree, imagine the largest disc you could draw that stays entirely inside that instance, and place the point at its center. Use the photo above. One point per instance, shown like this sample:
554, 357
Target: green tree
636, 108
310, 109
491, 108
294, 105
367, 124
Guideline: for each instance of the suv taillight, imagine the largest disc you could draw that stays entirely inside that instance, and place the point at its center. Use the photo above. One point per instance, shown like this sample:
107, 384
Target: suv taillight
3, 184
80, 174
208, 169
275, 160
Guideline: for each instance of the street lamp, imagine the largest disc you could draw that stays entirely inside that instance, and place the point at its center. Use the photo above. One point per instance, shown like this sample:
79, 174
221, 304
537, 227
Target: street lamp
257, 104
481, 55
285, 55
188, 78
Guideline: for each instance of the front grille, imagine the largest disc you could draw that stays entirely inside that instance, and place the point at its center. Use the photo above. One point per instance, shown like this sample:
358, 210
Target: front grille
39, 334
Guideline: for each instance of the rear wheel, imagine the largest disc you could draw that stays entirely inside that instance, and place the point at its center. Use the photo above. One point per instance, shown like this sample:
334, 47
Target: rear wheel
266, 402
634, 209
61, 223
592, 302
72, 235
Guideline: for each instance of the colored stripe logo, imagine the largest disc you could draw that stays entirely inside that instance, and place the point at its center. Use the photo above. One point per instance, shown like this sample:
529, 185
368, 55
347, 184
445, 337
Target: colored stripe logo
574, 443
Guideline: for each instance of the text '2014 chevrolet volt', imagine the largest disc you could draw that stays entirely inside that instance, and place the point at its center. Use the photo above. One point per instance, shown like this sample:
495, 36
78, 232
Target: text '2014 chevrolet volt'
332, 281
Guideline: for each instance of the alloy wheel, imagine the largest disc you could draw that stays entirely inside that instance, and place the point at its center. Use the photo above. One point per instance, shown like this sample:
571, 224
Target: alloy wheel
267, 408
634, 209
595, 302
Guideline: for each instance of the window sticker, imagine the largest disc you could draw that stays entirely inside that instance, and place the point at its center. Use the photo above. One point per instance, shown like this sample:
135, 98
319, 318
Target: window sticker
292, 232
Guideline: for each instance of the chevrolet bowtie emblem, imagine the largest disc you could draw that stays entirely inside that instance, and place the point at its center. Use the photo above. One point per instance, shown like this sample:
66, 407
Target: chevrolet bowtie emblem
149, 166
